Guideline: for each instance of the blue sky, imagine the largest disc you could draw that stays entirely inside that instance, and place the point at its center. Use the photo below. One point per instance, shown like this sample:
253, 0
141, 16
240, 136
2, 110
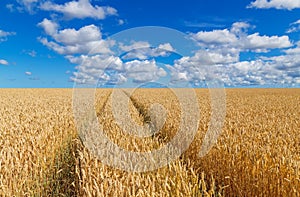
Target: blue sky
47, 43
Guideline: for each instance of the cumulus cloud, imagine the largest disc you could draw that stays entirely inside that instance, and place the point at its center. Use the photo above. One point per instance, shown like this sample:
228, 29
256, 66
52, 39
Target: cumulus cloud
148, 53
49, 26
134, 45
237, 37
283, 69
203, 66
143, 71
28, 73
219, 57
100, 46
85, 34
100, 62
142, 50
3, 62
239, 28
263, 43
265, 71
79, 9
216, 37
112, 70
166, 47
294, 51
278, 4
289, 61
207, 57
71, 41
254, 72
219, 60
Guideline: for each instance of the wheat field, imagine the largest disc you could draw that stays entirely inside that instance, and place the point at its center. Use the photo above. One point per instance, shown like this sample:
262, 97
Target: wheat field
257, 153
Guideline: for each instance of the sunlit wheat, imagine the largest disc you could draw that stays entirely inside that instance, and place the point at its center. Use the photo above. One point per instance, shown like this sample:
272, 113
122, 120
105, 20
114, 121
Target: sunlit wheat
257, 154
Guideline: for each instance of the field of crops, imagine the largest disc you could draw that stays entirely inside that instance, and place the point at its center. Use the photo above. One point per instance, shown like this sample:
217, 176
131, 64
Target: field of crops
257, 154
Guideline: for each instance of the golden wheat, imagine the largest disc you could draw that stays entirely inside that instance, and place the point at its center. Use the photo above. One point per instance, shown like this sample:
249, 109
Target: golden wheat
257, 154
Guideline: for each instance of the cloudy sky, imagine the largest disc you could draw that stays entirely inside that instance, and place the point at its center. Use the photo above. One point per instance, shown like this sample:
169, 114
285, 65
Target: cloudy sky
251, 43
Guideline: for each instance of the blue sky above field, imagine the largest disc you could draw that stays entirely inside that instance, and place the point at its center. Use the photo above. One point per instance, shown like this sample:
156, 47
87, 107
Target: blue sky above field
46, 43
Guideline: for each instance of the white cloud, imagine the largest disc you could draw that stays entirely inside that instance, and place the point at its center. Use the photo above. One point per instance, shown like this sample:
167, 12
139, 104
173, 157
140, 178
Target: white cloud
219, 59
92, 68
143, 50
296, 22
85, 34
208, 57
237, 37
143, 71
294, 51
284, 62
145, 53
10, 7
3, 62
28, 5
263, 43
166, 47
92, 47
28, 73
264, 71
101, 62
205, 65
278, 4
143, 44
71, 41
110, 69
49, 26
121, 22
289, 61
134, 45
71, 36
294, 27
79, 9
4, 35
238, 28
216, 37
